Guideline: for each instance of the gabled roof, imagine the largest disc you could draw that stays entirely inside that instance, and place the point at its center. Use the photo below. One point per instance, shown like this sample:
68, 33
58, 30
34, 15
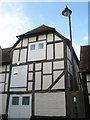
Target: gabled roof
6, 56
38, 30
43, 29
85, 58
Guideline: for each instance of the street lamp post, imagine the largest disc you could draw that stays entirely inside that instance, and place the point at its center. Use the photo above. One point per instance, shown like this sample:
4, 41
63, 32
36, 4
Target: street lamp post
67, 12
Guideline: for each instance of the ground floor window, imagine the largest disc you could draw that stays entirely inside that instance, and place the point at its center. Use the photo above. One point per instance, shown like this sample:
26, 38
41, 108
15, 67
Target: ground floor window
15, 100
25, 100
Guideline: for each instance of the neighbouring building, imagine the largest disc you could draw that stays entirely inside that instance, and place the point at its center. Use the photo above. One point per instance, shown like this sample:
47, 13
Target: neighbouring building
37, 77
85, 76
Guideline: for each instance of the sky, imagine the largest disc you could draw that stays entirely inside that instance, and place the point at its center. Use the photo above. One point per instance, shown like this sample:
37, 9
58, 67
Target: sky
17, 18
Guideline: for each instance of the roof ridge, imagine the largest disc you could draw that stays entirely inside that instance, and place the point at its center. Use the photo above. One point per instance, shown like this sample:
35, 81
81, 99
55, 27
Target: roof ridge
37, 29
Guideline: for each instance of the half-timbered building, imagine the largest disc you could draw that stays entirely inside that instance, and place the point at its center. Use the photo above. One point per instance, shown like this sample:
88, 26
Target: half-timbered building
5, 61
85, 76
40, 80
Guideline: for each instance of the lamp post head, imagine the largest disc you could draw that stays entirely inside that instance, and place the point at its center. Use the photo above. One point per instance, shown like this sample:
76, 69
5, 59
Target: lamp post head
66, 11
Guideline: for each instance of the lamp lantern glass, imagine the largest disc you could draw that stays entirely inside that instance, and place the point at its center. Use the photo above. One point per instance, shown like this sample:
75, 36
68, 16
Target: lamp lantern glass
66, 11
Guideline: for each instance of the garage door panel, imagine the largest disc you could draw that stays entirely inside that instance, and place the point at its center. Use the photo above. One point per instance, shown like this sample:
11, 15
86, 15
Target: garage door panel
50, 104
20, 109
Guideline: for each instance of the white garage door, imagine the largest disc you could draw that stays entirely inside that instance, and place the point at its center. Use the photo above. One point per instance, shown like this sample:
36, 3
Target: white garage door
20, 106
50, 104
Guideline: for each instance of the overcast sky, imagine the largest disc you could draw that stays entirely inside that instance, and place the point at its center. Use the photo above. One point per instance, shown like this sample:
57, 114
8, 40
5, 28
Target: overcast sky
19, 17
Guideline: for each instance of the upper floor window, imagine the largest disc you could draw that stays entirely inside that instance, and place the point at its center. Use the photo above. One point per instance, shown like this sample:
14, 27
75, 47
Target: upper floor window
32, 47
40, 45
37, 51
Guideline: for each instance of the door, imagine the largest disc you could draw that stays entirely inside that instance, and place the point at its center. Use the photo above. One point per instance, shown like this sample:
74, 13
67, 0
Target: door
20, 106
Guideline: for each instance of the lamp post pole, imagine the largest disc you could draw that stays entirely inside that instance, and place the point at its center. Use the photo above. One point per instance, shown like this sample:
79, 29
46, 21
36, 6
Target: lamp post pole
68, 12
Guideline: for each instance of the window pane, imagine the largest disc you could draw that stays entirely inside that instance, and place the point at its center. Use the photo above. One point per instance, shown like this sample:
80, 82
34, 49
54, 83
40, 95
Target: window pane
32, 47
25, 100
41, 46
15, 100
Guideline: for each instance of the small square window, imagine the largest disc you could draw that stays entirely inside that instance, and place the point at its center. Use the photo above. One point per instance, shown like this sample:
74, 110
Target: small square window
15, 100
15, 71
41, 46
32, 47
25, 100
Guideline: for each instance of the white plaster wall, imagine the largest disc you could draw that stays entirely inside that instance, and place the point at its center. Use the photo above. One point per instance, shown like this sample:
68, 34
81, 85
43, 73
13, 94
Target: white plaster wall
88, 87
2, 68
7, 77
8, 67
42, 37
2, 87
57, 74
3, 100
37, 80
25, 42
32, 39
37, 54
47, 67
50, 104
59, 50
50, 51
88, 77
5, 68
47, 81
58, 64
18, 45
30, 76
57, 38
30, 67
29, 85
15, 56
19, 79
23, 55
38, 66
60, 84
18, 89
89, 99
2, 77
50, 37
6, 87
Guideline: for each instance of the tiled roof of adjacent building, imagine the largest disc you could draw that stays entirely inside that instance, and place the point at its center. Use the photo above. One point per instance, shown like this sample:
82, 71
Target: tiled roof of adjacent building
6, 56
85, 58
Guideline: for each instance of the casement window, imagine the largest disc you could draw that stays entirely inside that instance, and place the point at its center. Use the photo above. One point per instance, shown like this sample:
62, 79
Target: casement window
37, 51
25, 100
32, 47
15, 100
40, 45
